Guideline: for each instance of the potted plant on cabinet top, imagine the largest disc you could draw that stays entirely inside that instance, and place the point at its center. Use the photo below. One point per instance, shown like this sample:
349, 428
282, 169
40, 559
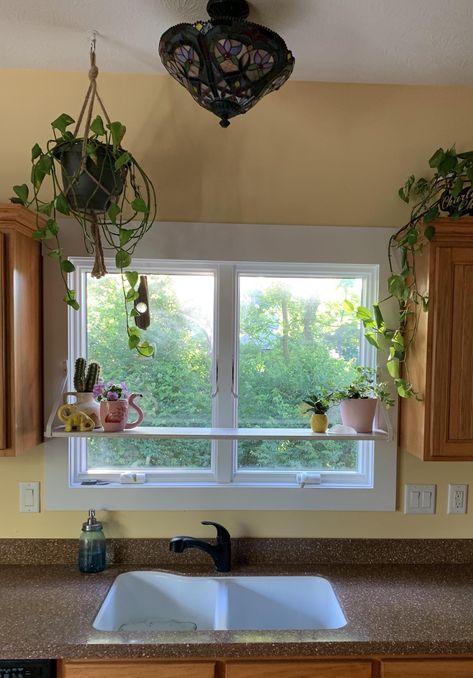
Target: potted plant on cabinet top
92, 178
318, 404
358, 400
448, 191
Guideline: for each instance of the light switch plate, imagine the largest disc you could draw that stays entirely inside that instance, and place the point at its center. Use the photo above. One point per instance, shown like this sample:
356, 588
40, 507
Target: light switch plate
29, 497
419, 498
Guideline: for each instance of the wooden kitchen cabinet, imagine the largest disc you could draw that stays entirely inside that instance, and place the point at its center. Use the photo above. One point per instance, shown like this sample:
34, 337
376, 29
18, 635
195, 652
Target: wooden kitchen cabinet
427, 668
21, 410
299, 669
140, 668
148, 668
440, 360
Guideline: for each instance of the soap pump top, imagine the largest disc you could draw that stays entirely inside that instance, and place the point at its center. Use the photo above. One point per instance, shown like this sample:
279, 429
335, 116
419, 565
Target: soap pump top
92, 524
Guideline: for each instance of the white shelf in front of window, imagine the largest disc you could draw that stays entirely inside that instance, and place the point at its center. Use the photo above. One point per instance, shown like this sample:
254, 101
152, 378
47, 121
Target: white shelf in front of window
223, 434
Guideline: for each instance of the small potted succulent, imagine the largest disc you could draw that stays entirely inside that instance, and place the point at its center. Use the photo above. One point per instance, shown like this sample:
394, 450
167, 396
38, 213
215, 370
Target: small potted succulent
318, 404
85, 379
358, 400
115, 401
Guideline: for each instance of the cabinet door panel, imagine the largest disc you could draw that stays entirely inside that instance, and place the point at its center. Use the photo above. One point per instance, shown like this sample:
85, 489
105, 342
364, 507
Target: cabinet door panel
435, 668
136, 669
452, 389
297, 669
3, 392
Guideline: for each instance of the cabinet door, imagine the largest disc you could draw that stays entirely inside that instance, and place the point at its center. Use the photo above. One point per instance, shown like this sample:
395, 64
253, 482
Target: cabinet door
451, 369
136, 669
3, 363
299, 669
21, 309
435, 668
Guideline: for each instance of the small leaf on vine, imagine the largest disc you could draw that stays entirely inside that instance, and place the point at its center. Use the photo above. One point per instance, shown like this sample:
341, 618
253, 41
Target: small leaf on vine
145, 349
429, 232
122, 259
133, 341
132, 277
372, 339
62, 122
22, 192
62, 205
113, 212
67, 266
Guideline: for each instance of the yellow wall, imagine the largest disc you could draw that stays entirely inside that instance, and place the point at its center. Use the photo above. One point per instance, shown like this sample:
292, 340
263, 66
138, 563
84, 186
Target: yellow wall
311, 154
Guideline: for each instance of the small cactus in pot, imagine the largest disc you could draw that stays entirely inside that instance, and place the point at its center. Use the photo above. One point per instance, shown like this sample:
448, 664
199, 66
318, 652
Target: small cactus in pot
84, 381
85, 378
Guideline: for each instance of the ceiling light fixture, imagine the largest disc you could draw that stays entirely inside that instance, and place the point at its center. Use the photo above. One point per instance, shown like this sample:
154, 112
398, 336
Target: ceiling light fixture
227, 63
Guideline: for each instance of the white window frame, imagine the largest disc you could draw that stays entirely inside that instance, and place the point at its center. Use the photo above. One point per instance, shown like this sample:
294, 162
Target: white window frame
376, 492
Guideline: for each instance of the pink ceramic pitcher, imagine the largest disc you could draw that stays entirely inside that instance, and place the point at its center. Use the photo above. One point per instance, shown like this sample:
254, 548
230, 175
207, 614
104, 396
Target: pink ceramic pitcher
114, 413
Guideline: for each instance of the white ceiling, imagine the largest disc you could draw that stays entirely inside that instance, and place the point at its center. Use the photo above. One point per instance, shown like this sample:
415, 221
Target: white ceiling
372, 41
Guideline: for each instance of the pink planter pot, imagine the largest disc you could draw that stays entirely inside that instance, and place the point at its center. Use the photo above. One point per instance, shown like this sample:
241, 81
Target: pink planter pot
359, 413
114, 414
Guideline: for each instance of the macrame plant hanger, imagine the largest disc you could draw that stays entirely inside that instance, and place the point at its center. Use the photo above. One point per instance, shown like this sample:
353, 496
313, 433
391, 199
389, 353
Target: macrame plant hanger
99, 268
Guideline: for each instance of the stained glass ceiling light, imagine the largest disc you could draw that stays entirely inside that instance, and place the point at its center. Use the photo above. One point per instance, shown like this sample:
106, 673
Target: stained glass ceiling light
227, 63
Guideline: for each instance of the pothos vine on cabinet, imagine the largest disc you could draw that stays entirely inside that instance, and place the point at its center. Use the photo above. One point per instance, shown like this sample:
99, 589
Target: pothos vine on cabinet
448, 192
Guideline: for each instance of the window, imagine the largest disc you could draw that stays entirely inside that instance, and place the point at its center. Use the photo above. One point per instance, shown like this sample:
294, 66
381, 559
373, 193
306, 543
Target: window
237, 344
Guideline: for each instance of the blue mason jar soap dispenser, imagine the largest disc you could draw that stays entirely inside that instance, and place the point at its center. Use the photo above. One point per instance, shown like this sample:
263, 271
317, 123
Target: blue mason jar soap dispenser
92, 545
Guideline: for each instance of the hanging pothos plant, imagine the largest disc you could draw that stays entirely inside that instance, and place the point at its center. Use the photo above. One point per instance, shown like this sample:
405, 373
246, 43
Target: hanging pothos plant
93, 179
448, 192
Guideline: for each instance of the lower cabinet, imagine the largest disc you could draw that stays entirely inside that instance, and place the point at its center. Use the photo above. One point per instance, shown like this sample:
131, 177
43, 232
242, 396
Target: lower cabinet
269, 668
427, 668
139, 668
299, 669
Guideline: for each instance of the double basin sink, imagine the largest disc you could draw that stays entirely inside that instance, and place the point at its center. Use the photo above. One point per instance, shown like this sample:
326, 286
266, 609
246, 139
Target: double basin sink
158, 601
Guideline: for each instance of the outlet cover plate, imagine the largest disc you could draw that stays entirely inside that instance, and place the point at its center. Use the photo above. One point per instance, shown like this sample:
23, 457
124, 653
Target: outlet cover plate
457, 498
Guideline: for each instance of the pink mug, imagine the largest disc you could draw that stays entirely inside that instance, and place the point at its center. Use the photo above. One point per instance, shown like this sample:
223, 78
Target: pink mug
114, 414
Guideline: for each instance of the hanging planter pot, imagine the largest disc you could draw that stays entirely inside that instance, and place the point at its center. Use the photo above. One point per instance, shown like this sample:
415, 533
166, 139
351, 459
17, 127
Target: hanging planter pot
92, 183
102, 186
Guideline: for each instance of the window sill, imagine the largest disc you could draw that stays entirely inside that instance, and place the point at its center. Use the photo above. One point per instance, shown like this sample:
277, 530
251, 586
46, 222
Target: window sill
222, 434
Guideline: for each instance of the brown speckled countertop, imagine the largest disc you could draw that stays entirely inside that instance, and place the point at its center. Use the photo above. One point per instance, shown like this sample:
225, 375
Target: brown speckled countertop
47, 611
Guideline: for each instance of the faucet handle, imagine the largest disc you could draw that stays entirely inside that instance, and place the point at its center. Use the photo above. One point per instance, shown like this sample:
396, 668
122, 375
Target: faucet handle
223, 535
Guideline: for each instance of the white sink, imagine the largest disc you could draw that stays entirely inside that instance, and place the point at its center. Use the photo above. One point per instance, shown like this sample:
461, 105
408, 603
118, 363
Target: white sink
157, 601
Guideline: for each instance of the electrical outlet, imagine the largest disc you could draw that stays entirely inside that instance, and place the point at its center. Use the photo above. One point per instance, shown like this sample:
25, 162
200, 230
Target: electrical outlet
457, 498
419, 498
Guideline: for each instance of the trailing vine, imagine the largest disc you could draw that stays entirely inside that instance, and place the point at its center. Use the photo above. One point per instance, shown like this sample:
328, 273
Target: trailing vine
448, 192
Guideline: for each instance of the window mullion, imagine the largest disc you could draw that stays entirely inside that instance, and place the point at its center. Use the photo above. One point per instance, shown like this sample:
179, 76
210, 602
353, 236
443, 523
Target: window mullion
225, 341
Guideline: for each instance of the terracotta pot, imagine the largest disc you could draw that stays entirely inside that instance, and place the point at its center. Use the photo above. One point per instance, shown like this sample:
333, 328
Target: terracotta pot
359, 413
114, 414
319, 423
87, 404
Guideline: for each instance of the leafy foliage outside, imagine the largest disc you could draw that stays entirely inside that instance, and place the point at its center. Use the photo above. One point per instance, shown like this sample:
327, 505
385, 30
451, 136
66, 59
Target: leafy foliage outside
289, 346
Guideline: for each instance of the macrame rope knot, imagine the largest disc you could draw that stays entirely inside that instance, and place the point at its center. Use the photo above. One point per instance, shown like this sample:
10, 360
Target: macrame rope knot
93, 73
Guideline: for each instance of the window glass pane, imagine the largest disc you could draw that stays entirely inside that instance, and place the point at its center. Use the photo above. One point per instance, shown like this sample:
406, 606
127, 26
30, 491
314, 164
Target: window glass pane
176, 383
295, 339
